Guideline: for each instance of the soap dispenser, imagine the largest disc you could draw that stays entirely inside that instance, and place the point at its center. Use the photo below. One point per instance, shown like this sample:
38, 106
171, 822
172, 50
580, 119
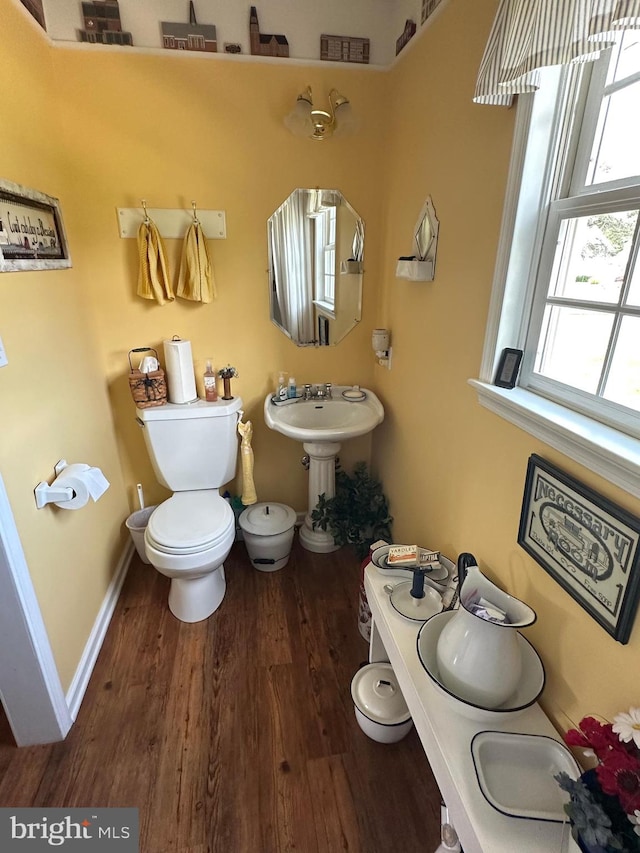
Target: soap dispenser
292, 391
209, 380
281, 390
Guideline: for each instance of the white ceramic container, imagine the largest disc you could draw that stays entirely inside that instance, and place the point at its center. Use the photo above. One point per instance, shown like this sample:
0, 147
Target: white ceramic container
379, 705
516, 773
267, 530
478, 659
528, 690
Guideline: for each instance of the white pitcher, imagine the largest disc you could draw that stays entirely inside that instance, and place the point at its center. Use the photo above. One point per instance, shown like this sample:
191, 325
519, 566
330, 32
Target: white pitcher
479, 660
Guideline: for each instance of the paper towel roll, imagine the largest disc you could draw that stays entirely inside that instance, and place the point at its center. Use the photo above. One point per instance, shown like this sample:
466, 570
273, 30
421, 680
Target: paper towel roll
180, 374
86, 482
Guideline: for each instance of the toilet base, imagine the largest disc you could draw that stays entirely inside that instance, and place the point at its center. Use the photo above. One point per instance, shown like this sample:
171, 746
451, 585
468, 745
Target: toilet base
195, 599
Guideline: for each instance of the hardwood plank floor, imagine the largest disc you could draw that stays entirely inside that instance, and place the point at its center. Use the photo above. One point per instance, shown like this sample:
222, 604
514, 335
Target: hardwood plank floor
236, 734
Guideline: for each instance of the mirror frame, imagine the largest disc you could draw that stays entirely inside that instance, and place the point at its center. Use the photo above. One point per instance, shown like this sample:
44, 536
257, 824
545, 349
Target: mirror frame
330, 327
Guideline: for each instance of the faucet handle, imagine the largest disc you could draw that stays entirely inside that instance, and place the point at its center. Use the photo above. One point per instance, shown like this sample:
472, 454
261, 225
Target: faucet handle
327, 389
307, 392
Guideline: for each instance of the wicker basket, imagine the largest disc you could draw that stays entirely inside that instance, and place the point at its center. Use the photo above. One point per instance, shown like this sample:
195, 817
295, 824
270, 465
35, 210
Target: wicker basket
147, 389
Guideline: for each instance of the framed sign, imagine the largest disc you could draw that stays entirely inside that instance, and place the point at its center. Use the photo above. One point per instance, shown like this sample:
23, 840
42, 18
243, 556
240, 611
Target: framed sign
32, 235
586, 543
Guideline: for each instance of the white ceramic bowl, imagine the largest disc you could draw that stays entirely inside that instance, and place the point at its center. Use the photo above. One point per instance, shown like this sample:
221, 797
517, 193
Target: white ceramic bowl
379, 705
529, 689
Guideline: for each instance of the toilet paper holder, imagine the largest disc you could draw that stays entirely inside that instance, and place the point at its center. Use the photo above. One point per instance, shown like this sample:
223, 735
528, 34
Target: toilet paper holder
46, 494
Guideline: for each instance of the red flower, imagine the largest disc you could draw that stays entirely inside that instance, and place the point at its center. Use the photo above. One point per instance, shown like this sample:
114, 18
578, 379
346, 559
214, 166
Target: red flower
596, 736
619, 775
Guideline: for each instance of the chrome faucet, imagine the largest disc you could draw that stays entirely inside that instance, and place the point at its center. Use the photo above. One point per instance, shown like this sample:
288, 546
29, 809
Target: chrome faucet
317, 392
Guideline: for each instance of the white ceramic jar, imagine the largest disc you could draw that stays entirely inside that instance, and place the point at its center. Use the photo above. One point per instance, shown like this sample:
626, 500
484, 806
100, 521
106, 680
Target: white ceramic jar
267, 530
379, 705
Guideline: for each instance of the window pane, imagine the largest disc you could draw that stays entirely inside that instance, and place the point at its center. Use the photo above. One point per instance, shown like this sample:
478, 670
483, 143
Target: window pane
623, 383
616, 153
573, 345
627, 61
592, 256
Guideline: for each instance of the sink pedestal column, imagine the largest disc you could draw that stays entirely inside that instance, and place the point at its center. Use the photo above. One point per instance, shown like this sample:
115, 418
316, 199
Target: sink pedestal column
322, 481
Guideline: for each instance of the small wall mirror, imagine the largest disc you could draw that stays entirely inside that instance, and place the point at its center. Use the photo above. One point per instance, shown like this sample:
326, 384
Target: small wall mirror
421, 266
316, 252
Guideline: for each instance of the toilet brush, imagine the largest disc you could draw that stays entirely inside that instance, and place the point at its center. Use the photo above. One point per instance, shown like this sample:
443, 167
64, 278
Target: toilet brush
140, 495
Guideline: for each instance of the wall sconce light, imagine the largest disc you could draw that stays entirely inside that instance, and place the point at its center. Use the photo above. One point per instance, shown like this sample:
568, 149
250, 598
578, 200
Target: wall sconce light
381, 347
306, 120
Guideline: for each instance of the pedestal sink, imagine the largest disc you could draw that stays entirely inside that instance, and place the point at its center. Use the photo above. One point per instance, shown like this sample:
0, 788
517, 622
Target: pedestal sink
322, 424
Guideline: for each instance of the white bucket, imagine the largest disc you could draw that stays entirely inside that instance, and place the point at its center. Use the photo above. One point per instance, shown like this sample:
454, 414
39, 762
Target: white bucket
379, 705
137, 524
268, 534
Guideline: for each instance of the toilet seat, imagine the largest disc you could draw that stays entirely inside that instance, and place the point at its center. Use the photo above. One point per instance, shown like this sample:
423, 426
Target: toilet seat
190, 522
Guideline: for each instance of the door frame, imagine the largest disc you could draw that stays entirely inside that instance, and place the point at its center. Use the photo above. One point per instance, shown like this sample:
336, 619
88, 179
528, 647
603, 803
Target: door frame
30, 687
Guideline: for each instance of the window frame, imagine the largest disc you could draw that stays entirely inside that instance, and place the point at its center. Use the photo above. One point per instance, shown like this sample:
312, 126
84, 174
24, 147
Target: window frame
601, 447
325, 252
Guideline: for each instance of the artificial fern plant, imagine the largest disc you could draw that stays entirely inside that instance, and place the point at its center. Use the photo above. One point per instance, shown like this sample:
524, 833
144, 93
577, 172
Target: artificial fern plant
358, 514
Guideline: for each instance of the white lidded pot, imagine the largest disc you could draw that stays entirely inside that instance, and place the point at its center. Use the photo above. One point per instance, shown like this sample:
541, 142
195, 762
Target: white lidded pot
480, 660
267, 530
379, 705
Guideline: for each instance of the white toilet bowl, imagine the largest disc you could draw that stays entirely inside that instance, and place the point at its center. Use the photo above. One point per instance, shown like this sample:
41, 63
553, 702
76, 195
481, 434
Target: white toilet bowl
188, 537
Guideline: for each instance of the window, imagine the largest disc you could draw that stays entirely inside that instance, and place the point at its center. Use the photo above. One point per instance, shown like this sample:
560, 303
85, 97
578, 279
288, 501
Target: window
585, 318
325, 258
567, 285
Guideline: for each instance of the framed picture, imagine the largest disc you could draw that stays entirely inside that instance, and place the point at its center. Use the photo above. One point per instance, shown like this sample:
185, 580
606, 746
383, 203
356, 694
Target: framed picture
508, 368
32, 235
586, 543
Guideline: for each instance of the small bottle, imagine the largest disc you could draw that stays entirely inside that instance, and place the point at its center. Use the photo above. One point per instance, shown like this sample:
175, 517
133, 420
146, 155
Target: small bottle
292, 391
210, 390
281, 391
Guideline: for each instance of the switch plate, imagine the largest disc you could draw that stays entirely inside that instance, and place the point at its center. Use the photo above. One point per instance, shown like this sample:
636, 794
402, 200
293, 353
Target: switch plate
3, 356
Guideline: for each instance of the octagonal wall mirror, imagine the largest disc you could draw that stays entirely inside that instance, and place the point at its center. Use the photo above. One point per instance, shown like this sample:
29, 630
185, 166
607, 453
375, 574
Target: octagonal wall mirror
316, 251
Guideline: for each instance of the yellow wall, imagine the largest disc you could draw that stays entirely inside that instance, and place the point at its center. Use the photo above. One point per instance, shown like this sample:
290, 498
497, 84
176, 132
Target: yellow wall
116, 126
455, 472
53, 391
172, 129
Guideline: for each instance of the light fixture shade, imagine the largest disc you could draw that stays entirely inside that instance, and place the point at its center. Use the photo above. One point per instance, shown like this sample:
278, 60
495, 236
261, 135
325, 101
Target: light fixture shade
345, 120
299, 119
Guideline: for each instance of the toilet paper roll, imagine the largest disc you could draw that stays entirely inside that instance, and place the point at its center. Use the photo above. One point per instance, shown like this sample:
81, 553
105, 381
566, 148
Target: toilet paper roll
86, 482
180, 374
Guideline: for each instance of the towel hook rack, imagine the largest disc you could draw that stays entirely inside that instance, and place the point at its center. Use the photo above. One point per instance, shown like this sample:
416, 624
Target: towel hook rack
146, 215
195, 213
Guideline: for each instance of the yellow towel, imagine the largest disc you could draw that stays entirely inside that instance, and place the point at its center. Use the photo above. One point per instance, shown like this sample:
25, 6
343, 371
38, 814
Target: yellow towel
249, 495
195, 280
153, 278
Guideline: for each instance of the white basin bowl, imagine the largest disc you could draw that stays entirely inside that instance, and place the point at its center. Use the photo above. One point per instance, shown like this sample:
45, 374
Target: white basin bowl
529, 688
334, 419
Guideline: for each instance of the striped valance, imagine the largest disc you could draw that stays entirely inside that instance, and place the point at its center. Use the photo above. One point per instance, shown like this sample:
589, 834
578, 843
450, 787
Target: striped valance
530, 34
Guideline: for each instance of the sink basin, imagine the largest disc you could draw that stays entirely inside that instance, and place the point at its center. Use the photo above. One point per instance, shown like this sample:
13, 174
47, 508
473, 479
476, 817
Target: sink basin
336, 419
321, 425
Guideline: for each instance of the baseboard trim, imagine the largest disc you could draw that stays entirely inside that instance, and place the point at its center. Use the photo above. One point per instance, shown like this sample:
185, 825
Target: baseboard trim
80, 682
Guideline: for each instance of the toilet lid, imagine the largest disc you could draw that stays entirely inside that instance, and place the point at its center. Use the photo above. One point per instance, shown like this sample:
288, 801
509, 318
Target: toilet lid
190, 522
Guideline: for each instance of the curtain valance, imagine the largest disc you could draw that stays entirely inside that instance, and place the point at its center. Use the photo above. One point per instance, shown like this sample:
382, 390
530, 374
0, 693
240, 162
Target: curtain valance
530, 34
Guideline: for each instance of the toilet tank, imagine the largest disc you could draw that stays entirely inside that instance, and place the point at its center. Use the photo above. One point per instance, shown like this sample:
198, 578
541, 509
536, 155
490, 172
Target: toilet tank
193, 446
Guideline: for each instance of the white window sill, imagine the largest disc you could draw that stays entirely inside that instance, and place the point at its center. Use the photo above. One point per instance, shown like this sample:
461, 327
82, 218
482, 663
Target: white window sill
327, 308
602, 449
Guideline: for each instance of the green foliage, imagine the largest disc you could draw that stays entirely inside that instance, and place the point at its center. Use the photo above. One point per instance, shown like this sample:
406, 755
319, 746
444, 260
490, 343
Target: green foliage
616, 229
358, 514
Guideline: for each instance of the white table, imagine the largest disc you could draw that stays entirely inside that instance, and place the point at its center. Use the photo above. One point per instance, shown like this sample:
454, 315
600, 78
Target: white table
446, 737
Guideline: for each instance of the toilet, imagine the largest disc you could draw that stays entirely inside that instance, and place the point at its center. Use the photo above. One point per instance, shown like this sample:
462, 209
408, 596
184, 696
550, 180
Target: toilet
193, 448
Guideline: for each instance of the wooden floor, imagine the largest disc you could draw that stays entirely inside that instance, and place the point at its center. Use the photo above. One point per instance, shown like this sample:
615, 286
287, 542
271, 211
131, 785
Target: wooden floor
236, 734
